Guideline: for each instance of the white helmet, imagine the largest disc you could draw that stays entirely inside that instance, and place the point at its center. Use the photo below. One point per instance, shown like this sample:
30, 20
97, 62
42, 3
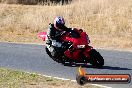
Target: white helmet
59, 23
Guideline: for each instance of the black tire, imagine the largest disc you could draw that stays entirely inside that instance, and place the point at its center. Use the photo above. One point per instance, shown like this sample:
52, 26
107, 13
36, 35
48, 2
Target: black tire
80, 80
96, 59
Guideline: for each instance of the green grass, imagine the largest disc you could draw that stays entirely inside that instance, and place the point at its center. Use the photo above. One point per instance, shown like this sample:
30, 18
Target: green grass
17, 79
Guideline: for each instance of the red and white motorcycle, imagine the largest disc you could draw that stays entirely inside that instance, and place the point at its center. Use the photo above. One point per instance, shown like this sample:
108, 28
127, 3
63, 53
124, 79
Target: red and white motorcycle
77, 50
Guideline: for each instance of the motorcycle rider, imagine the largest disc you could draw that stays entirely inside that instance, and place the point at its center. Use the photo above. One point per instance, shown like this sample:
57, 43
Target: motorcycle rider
54, 33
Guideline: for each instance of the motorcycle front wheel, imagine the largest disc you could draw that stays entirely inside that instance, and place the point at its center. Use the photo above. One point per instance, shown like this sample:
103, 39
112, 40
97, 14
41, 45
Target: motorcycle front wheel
96, 59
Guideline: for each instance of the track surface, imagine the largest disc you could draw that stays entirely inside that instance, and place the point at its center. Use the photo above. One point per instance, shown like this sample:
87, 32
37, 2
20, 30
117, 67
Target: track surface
33, 58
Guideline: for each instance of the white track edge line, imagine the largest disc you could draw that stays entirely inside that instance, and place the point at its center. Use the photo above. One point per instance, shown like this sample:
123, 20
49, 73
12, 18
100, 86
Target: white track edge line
64, 79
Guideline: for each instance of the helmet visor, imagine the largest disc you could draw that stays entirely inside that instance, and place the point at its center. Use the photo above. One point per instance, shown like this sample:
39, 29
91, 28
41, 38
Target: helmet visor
60, 26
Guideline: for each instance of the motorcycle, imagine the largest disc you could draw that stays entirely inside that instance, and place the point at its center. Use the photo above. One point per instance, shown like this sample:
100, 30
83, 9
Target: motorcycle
76, 49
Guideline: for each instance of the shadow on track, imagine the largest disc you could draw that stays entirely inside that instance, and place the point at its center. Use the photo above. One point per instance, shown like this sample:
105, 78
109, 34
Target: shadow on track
115, 68
104, 67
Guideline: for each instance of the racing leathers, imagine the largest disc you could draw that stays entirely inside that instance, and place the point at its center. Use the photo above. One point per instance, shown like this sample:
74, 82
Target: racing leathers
53, 42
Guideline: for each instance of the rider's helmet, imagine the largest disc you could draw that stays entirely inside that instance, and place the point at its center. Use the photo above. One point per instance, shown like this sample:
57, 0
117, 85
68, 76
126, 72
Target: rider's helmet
59, 23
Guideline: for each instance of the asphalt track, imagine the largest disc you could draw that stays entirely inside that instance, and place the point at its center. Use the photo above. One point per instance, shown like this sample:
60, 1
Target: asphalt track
33, 58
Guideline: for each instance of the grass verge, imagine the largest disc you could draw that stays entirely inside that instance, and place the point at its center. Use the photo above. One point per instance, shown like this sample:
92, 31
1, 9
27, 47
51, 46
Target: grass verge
16, 79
